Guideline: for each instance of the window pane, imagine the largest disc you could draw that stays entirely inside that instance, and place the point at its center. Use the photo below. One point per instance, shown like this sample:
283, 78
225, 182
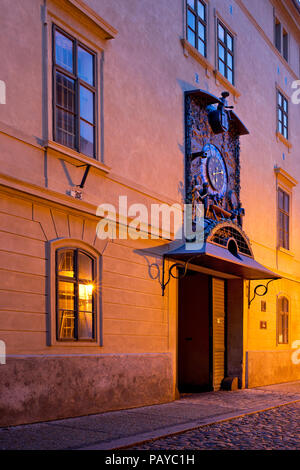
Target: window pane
191, 37
86, 139
201, 47
285, 132
85, 297
87, 104
285, 104
278, 35
221, 52
201, 10
65, 263
85, 66
85, 267
191, 19
280, 199
285, 46
66, 295
201, 31
191, 3
66, 322
66, 310
64, 51
229, 42
230, 61
65, 92
229, 76
221, 33
222, 67
65, 128
286, 201
279, 99
85, 325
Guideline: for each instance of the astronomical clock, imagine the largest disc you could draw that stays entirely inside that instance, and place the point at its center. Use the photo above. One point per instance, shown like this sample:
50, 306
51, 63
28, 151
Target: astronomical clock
213, 163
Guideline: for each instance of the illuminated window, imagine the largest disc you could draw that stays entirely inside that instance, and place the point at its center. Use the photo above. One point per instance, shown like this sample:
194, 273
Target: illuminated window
75, 294
225, 52
283, 321
74, 91
196, 25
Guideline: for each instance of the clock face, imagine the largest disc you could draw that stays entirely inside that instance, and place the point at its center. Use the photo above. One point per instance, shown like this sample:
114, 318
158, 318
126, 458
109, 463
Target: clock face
216, 173
213, 170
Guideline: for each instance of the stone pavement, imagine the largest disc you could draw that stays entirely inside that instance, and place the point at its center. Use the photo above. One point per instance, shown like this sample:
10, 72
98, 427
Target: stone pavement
119, 429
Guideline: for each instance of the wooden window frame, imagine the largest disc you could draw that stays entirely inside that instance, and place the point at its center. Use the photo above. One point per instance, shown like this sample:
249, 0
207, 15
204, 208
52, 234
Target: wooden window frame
75, 281
281, 239
203, 22
227, 51
280, 109
78, 82
280, 315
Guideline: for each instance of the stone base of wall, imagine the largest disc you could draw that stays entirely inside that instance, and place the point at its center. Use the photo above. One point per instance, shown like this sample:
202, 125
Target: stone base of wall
270, 367
34, 389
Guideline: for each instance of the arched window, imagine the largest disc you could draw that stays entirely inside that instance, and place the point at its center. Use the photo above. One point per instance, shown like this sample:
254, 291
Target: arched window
75, 295
283, 321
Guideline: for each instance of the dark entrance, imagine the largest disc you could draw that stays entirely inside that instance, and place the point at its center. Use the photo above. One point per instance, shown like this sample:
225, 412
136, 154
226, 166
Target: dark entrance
194, 323
201, 333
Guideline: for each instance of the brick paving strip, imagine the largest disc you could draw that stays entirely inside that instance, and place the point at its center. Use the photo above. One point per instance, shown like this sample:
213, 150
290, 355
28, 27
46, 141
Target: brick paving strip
120, 429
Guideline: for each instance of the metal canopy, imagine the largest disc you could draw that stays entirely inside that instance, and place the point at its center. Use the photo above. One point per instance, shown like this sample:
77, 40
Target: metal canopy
220, 259
212, 99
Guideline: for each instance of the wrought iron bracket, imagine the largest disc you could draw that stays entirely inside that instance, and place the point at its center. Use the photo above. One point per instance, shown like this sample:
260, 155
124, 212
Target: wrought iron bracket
81, 185
184, 265
265, 290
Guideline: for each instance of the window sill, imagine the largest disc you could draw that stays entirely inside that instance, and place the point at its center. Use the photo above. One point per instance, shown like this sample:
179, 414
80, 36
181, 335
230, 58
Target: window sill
188, 49
72, 157
221, 80
285, 251
282, 139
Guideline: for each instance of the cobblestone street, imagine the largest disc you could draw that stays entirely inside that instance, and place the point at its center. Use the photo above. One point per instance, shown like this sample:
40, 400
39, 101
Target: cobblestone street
276, 429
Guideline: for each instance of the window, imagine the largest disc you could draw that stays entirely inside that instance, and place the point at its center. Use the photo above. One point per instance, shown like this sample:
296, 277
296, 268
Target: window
225, 52
283, 321
282, 115
197, 25
281, 39
74, 93
75, 292
284, 219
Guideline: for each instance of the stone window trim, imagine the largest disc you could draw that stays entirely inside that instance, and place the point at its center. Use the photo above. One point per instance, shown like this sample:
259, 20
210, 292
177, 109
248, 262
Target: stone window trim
285, 182
52, 247
283, 320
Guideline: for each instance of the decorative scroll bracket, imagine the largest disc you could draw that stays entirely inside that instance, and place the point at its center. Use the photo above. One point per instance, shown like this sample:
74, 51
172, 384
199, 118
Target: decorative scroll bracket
265, 290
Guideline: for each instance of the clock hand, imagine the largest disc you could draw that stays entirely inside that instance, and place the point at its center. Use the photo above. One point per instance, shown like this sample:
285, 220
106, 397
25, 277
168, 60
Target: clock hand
218, 173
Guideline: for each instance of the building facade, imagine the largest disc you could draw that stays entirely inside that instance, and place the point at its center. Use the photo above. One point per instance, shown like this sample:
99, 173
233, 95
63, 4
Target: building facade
112, 110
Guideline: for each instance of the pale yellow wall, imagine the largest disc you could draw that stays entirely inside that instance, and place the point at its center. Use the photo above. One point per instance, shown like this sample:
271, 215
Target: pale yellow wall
145, 73
134, 312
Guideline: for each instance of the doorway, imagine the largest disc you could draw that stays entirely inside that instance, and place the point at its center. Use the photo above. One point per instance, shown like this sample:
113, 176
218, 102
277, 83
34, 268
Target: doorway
201, 333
